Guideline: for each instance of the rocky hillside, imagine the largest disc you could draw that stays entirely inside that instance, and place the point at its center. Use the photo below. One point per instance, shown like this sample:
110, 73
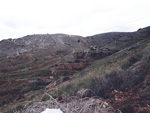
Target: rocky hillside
115, 66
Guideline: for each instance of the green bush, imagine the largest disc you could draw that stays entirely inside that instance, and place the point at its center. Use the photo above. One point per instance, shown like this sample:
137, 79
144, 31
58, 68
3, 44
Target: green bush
19, 107
110, 81
9, 111
45, 98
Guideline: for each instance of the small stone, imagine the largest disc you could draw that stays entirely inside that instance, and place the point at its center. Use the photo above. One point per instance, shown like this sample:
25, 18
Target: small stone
97, 101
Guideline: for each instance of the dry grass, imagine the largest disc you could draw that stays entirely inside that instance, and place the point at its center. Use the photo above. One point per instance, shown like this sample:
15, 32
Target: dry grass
72, 104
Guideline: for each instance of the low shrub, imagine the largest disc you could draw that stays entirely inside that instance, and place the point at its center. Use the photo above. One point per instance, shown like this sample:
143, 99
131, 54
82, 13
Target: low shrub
9, 111
131, 60
106, 83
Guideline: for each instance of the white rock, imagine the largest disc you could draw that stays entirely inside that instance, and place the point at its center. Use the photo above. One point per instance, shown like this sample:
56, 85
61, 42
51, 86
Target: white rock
47, 110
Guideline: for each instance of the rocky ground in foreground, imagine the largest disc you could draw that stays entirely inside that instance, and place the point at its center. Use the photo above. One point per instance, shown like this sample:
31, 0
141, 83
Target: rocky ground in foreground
73, 105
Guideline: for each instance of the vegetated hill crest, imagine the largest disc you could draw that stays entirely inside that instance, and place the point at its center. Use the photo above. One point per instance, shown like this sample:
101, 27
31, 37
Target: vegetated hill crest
62, 41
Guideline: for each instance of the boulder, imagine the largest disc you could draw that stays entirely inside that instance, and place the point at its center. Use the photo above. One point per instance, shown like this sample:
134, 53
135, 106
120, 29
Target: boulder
83, 93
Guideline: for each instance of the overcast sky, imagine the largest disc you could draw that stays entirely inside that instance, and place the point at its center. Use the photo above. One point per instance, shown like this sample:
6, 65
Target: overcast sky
79, 17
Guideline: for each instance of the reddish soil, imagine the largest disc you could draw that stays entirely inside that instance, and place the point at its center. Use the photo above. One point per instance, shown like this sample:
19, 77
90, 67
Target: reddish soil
132, 100
72, 66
